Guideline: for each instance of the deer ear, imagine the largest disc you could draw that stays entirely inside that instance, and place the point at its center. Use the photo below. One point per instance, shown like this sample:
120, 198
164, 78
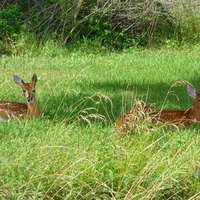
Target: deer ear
34, 78
191, 90
18, 81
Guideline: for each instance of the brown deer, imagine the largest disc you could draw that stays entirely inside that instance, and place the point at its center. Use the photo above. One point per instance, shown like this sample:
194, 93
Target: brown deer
15, 110
176, 117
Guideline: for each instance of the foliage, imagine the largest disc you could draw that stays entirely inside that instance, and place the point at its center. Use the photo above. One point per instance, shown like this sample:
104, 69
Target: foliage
10, 19
113, 24
10, 27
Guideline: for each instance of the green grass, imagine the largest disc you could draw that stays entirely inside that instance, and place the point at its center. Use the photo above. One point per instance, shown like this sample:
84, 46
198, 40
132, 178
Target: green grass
73, 152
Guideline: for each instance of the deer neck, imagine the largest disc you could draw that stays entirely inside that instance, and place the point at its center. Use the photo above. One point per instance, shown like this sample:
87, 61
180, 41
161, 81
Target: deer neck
33, 110
195, 112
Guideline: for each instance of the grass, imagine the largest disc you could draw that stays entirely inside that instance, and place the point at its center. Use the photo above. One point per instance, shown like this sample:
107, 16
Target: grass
73, 152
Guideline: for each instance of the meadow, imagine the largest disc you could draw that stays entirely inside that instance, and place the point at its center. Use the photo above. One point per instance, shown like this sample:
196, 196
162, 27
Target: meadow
72, 152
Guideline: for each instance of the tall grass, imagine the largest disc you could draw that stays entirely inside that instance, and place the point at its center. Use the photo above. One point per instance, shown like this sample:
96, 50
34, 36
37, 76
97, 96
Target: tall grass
73, 152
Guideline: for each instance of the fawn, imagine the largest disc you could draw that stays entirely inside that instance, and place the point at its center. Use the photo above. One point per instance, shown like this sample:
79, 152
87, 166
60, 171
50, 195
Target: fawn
176, 117
14, 110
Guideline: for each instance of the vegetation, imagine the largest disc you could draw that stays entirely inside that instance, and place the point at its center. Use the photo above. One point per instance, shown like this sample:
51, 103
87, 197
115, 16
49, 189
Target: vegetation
92, 62
73, 152
114, 25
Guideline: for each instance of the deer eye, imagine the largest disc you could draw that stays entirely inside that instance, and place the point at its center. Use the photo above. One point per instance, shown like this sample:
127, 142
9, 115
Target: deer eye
33, 90
24, 90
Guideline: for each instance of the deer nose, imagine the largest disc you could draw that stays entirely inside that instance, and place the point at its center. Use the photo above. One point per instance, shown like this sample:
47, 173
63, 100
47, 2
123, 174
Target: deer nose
29, 98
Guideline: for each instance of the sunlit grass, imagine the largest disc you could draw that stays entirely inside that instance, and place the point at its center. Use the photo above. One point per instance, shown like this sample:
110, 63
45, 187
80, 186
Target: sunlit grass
73, 152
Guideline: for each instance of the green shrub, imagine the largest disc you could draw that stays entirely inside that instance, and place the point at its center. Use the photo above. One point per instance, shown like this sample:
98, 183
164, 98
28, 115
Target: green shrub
112, 24
10, 18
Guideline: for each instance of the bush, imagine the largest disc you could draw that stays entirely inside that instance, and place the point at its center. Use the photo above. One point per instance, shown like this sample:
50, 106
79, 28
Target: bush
10, 18
113, 24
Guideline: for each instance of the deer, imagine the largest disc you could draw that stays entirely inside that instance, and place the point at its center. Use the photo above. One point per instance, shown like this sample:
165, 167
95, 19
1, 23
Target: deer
175, 117
15, 110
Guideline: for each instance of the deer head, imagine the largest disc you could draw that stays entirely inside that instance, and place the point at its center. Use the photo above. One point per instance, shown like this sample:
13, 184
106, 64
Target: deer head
27, 88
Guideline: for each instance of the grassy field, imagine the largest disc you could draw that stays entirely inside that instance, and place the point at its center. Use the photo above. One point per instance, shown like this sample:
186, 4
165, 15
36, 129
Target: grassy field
73, 152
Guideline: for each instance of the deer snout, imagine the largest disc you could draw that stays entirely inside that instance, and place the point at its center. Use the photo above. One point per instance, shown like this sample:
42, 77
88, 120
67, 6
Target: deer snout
29, 97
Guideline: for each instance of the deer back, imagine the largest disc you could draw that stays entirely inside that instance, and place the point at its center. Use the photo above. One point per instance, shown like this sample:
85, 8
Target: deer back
176, 117
11, 110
